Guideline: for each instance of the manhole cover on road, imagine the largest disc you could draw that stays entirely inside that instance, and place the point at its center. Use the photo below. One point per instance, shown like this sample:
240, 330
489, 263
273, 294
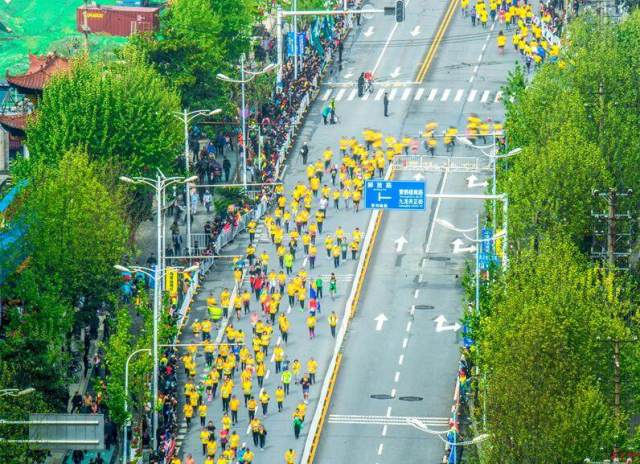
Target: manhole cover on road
425, 307
439, 258
411, 398
381, 396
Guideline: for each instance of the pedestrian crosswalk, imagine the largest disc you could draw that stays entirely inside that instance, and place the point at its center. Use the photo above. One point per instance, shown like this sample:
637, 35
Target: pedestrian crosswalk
485, 96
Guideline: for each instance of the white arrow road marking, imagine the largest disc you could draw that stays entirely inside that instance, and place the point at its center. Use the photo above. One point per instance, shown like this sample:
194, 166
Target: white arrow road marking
418, 177
380, 320
396, 72
472, 181
368, 32
400, 243
349, 74
458, 248
386, 420
441, 327
415, 31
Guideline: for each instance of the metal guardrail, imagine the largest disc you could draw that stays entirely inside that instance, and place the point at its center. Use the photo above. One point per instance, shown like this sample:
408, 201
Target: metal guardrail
439, 163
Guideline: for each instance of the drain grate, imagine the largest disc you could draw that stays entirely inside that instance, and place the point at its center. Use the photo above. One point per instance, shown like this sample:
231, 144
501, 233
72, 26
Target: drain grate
423, 307
381, 396
411, 398
439, 258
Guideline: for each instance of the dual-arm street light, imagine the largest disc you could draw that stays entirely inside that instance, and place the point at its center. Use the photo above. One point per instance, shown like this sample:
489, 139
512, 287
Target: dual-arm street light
242, 81
493, 154
159, 185
186, 117
14, 392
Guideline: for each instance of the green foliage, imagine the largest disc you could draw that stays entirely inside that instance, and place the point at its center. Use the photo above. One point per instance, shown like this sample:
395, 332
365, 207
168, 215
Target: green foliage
548, 398
75, 229
120, 346
18, 409
189, 51
117, 112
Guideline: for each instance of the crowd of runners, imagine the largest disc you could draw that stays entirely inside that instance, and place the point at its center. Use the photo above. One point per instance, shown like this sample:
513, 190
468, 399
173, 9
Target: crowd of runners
245, 336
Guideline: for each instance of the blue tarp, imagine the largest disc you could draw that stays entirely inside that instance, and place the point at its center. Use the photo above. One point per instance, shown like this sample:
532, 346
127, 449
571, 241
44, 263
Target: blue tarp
11, 194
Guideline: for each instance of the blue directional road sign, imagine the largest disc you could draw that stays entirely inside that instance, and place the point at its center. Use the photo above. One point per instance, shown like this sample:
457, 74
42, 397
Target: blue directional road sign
395, 194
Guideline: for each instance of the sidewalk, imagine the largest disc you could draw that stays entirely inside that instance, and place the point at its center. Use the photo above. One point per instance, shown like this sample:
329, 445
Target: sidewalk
146, 233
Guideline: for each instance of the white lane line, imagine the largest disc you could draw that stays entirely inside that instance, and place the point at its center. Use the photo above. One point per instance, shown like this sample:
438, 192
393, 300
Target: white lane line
304, 261
459, 95
392, 94
379, 94
480, 57
405, 342
420, 277
384, 430
485, 96
472, 95
266, 375
435, 213
288, 309
432, 95
326, 95
484, 47
388, 411
470, 79
381, 444
498, 96
386, 44
400, 361
396, 378
475, 69
249, 430
413, 310
393, 393
351, 97
416, 293
419, 93
340, 94
409, 326
406, 93
445, 95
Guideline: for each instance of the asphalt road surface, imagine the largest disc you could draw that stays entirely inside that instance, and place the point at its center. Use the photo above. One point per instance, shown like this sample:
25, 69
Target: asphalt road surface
407, 356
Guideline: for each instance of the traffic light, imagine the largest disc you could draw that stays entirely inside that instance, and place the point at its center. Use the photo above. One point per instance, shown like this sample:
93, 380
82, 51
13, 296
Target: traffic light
400, 11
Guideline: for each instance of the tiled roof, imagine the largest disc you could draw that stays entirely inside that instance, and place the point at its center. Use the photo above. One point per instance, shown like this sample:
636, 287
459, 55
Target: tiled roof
41, 68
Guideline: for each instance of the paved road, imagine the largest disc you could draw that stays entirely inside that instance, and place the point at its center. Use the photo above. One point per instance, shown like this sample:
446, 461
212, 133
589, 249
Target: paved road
370, 368
408, 362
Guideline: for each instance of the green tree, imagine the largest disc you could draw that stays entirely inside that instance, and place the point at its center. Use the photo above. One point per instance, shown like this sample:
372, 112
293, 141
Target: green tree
117, 112
549, 380
18, 409
189, 51
75, 230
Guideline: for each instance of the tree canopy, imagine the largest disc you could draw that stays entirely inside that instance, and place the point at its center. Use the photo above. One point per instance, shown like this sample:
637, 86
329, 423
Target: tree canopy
117, 112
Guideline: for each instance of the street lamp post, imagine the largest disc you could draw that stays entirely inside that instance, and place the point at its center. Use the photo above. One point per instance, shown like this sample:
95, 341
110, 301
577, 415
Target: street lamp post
242, 81
126, 397
494, 157
186, 117
159, 184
